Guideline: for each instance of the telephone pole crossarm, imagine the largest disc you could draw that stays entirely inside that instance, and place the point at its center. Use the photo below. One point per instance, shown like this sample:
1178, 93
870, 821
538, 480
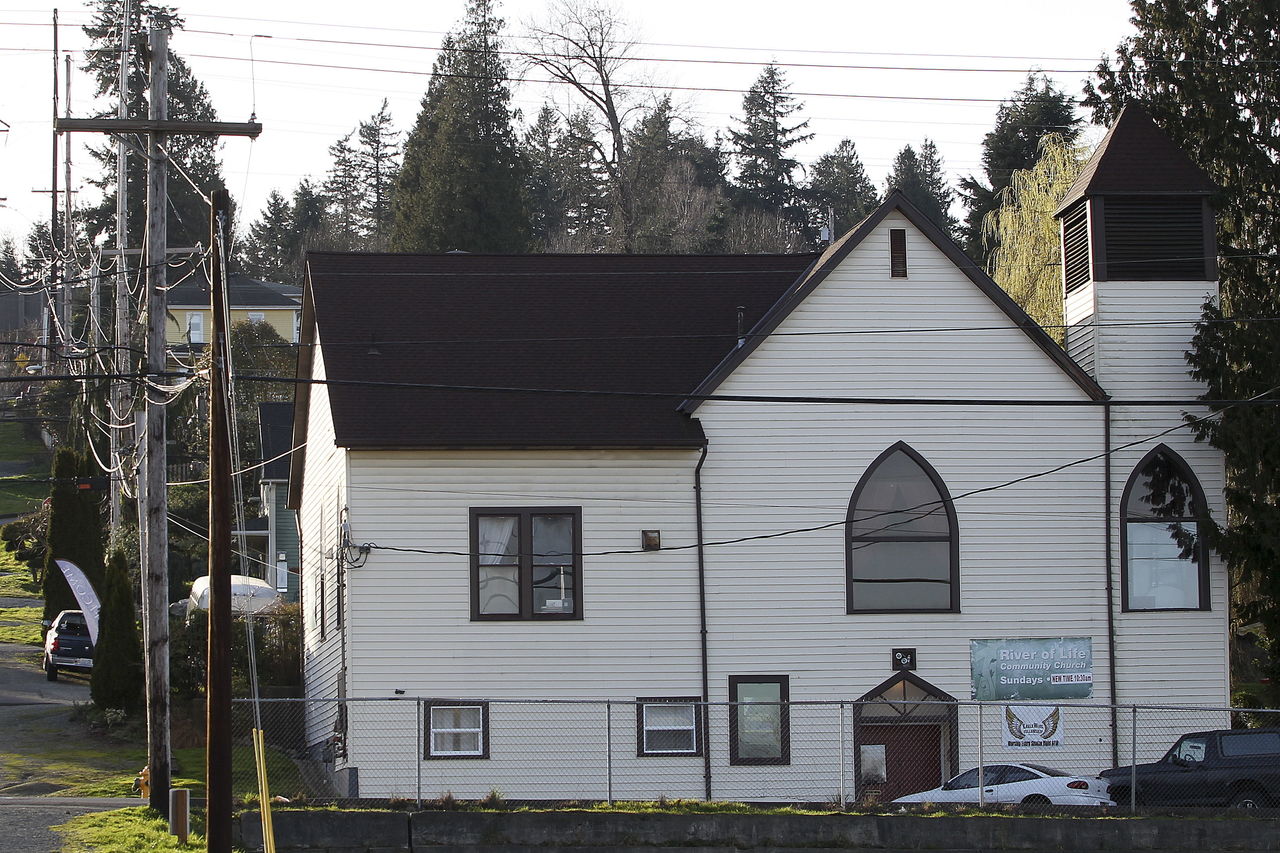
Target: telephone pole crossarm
132, 125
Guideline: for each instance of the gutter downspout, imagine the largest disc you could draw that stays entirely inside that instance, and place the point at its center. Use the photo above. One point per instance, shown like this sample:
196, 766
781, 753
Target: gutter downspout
702, 625
1111, 605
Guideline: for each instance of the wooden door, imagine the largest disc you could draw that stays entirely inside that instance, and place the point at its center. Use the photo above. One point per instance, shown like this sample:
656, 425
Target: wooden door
912, 759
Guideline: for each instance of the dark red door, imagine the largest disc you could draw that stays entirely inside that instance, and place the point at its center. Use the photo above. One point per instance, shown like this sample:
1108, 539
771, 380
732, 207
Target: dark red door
912, 759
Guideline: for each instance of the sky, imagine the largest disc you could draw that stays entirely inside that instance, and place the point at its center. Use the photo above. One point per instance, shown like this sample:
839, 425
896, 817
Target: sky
884, 74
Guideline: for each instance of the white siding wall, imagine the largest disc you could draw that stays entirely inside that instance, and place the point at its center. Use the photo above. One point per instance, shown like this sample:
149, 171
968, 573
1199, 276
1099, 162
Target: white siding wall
411, 625
1080, 317
1031, 555
322, 497
1162, 657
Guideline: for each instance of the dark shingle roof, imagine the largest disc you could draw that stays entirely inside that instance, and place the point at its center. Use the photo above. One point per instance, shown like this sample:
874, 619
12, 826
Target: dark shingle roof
607, 323
1137, 158
242, 292
275, 434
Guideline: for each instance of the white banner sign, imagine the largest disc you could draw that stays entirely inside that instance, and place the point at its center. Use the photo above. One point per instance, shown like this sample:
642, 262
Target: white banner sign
1032, 727
85, 596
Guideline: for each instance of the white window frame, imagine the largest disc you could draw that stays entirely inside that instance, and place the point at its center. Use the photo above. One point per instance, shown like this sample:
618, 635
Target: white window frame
693, 703
257, 316
195, 327
482, 732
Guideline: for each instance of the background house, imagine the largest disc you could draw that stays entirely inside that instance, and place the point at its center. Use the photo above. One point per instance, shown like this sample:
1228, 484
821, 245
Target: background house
248, 300
793, 483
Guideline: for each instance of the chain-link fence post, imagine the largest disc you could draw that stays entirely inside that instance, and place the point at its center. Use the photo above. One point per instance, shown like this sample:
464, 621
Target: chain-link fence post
608, 746
417, 759
982, 797
840, 755
1133, 764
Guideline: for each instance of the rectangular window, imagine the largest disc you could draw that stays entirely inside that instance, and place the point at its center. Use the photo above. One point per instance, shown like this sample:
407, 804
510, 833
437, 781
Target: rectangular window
898, 252
195, 327
759, 721
669, 726
456, 729
257, 317
526, 563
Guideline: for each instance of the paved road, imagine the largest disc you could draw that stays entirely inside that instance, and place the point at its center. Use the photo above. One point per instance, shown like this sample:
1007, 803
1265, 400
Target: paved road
25, 822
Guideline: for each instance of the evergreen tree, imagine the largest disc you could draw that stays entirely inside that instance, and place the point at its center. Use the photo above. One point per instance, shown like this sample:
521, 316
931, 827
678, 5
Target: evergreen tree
584, 189
1205, 72
838, 184
544, 181
921, 179
377, 160
344, 193
1037, 109
75, 531
118, 678
766, 171
269, 253
460, 183
1027, 259
188, 100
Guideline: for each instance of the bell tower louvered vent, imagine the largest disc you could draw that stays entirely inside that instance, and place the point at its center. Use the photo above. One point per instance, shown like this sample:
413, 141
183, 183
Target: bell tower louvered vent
1075, 246
1155, 238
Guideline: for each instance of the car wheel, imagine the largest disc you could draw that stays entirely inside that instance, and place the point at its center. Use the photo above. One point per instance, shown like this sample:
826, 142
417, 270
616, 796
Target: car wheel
1248, 798
50, 671
1035, 800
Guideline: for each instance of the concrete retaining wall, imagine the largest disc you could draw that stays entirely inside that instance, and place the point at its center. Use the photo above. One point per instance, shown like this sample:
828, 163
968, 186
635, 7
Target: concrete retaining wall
585, 832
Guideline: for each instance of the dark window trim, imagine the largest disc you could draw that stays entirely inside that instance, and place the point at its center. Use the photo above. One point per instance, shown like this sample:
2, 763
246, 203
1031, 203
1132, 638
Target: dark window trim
1197, 497
784, 694
699, 735
525, 514
898, 252
953, 539
428, 704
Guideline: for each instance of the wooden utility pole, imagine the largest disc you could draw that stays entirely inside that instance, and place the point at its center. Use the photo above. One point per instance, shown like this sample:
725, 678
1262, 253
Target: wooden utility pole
218, 687
155, 589
121, 355
153, 495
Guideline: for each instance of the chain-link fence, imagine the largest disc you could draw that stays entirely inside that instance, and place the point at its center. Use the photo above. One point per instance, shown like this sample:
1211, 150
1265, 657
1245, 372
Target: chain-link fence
838, 753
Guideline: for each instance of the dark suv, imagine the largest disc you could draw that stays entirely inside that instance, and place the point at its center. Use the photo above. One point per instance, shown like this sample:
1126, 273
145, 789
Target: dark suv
67, 644
1229, 767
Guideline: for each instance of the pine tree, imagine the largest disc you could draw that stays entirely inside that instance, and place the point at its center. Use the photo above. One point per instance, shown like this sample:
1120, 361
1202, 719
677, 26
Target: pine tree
838, 184
344, 193
460, 183
188, 100
377, 160
766, 171
1037, 109
269, 253
922, 180
118, 677
544, 182
75, 531
1027, 260
1222, 106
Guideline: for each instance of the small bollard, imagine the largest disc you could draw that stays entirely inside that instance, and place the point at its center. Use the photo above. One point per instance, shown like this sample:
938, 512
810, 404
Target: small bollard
180, 813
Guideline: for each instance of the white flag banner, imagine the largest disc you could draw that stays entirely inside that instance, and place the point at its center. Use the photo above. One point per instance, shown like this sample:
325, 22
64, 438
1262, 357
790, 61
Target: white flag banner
1032, 727
85, 596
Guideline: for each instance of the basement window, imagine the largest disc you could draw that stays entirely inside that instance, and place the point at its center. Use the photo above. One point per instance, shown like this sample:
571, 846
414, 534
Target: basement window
457, 729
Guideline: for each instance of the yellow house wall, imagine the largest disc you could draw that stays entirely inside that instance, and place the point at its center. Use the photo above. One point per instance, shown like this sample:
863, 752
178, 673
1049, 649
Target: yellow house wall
280, 319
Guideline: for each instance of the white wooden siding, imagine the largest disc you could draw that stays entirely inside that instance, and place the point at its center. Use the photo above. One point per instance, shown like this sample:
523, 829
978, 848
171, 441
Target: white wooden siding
1080, 318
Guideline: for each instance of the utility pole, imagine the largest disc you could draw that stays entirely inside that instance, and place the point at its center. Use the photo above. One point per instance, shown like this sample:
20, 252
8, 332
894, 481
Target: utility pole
154, 508
155, 588
121, 355
64, 292
218, 687
55, 277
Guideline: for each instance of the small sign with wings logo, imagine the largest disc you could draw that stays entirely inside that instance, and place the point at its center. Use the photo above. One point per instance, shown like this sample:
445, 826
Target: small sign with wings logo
1032, 727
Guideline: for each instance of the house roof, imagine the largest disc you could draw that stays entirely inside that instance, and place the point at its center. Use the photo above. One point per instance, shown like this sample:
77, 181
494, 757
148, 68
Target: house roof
275, 434
1136, 157
840, 249
597, 327
242, 292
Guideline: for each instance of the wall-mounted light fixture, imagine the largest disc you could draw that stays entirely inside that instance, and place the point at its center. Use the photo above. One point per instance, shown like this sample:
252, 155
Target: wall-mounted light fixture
651, 540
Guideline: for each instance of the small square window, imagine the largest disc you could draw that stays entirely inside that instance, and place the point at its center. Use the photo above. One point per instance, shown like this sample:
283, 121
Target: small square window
669, 726
457, 729
257, 317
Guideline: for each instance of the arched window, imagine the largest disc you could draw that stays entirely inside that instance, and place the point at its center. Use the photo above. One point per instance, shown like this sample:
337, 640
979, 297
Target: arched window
901, 543
1164, 562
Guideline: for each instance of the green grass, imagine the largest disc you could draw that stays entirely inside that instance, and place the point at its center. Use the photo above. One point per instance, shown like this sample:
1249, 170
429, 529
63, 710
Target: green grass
44, 744
15, 446
282, 773
133, 830
19, 495
18, 584
21, 625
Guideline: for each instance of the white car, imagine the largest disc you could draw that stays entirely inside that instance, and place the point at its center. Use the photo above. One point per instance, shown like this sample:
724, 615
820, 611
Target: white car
1018, 783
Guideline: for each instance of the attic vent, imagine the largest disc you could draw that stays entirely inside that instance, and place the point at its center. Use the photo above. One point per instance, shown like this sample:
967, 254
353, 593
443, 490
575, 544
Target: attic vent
898, 252
1075, 246
1155, 238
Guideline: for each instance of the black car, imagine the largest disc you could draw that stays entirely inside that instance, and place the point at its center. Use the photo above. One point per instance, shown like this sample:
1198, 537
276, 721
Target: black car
67, 645
1228, 767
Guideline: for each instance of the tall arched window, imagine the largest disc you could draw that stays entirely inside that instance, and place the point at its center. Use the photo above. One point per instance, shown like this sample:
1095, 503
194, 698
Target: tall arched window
1164, 561
901, 543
